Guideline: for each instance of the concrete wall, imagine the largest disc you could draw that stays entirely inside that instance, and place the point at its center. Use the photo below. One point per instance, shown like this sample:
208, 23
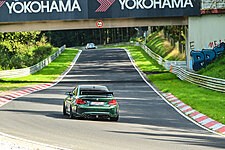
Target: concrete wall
206, 29
91, 24
205, 32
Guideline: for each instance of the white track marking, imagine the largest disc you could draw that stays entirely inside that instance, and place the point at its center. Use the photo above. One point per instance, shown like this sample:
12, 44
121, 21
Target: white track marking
133, 62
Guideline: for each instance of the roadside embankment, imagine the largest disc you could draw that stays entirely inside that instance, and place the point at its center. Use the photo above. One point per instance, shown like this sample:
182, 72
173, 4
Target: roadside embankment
160, 45
216, 68
13, 143
47, 74
208, 102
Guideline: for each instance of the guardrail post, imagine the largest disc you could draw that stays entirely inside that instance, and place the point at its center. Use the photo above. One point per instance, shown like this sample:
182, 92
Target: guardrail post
137, 44
188, 52
160, 60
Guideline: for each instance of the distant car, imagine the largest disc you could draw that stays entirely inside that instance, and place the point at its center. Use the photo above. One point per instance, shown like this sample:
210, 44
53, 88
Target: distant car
91, 101
90, 46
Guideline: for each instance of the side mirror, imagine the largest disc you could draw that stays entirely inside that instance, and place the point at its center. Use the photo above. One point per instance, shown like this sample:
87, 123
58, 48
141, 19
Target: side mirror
68, 93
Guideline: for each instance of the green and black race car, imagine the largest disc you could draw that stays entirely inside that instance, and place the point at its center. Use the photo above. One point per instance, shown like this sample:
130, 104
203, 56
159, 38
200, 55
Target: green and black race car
91, 101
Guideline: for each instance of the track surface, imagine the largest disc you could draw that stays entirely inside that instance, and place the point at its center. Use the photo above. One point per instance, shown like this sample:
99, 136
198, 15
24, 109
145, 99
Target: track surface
146, 121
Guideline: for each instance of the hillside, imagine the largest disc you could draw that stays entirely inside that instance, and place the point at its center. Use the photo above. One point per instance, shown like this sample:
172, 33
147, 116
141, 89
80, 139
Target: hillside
216, 68
160, 45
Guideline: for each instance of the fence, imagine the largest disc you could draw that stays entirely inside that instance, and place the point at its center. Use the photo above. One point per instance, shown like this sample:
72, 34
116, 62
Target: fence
161, 61
212, 4
178, 68
203, 81
30, 70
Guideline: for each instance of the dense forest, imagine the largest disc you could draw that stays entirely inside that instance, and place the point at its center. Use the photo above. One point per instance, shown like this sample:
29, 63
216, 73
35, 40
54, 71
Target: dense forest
97, 36
24, 49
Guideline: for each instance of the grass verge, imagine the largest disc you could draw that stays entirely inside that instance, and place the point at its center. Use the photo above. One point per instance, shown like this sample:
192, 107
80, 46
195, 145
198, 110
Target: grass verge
157, 43
215, 69
47, 74
208, 102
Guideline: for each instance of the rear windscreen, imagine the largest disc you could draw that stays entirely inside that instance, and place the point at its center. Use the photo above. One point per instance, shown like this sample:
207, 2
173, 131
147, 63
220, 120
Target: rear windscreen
95, 92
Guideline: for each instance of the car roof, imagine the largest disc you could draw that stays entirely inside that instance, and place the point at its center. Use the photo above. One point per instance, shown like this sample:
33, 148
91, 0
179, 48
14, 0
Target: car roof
93, 87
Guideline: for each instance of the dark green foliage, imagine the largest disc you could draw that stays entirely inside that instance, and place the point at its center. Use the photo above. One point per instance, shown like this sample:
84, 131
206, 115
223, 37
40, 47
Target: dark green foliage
47, 74
176, 32
72, 38
161, 46
22, 49
41, 52
215, 69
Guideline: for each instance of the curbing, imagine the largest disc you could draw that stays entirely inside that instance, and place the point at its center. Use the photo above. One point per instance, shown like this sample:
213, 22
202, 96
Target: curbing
14, 95
195, 115
186, 111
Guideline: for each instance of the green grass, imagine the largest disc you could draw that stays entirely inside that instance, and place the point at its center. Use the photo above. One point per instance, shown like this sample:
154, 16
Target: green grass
47, 74
208, 102
54, 50
157, 43
216, 68
143, 60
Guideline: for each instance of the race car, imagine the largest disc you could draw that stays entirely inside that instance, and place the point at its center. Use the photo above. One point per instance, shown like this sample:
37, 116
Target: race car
91, 101
90, 46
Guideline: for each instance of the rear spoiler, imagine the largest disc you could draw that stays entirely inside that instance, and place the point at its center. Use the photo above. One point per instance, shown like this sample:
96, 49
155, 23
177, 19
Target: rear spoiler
95, 93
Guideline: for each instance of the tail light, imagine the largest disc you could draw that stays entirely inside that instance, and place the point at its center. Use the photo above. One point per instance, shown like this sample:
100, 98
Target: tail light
113, 102
80, 101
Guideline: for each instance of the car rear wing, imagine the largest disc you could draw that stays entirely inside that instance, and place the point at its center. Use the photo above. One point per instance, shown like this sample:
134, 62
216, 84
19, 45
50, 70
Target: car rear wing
95, 93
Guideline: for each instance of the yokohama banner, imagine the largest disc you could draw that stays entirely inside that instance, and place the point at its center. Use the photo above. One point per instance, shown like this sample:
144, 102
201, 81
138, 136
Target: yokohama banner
40, 10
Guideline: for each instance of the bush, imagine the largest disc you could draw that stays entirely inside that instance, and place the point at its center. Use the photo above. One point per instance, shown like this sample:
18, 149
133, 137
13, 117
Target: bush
22, 49
41, 52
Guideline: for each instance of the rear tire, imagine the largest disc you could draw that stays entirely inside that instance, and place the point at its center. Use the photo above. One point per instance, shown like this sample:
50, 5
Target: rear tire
71, 113
114, 118
64, 109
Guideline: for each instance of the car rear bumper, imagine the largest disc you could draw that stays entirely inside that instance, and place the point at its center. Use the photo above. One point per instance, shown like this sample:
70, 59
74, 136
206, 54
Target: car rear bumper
96, 115
91, 48
97, 111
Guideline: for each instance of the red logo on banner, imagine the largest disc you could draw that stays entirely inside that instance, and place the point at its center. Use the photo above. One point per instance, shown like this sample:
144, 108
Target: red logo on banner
105, 4
1, 3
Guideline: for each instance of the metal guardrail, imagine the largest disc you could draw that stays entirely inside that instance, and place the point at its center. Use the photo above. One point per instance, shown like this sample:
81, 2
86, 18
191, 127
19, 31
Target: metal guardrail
31, 70
178, 68
203, 81
167, 64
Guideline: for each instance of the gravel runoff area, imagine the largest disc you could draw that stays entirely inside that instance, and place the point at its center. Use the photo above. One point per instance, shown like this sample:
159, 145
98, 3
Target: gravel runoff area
8, 142
12, 143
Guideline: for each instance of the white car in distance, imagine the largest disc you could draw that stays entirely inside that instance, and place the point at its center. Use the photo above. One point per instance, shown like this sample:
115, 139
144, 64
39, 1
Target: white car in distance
90, 46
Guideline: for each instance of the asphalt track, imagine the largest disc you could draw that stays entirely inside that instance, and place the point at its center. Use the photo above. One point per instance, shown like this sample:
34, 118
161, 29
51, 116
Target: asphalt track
146, 121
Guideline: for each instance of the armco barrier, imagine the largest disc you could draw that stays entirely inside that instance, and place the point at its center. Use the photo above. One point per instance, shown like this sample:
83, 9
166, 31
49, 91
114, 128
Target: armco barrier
178, 68
30, 70
160, 60
203, 81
